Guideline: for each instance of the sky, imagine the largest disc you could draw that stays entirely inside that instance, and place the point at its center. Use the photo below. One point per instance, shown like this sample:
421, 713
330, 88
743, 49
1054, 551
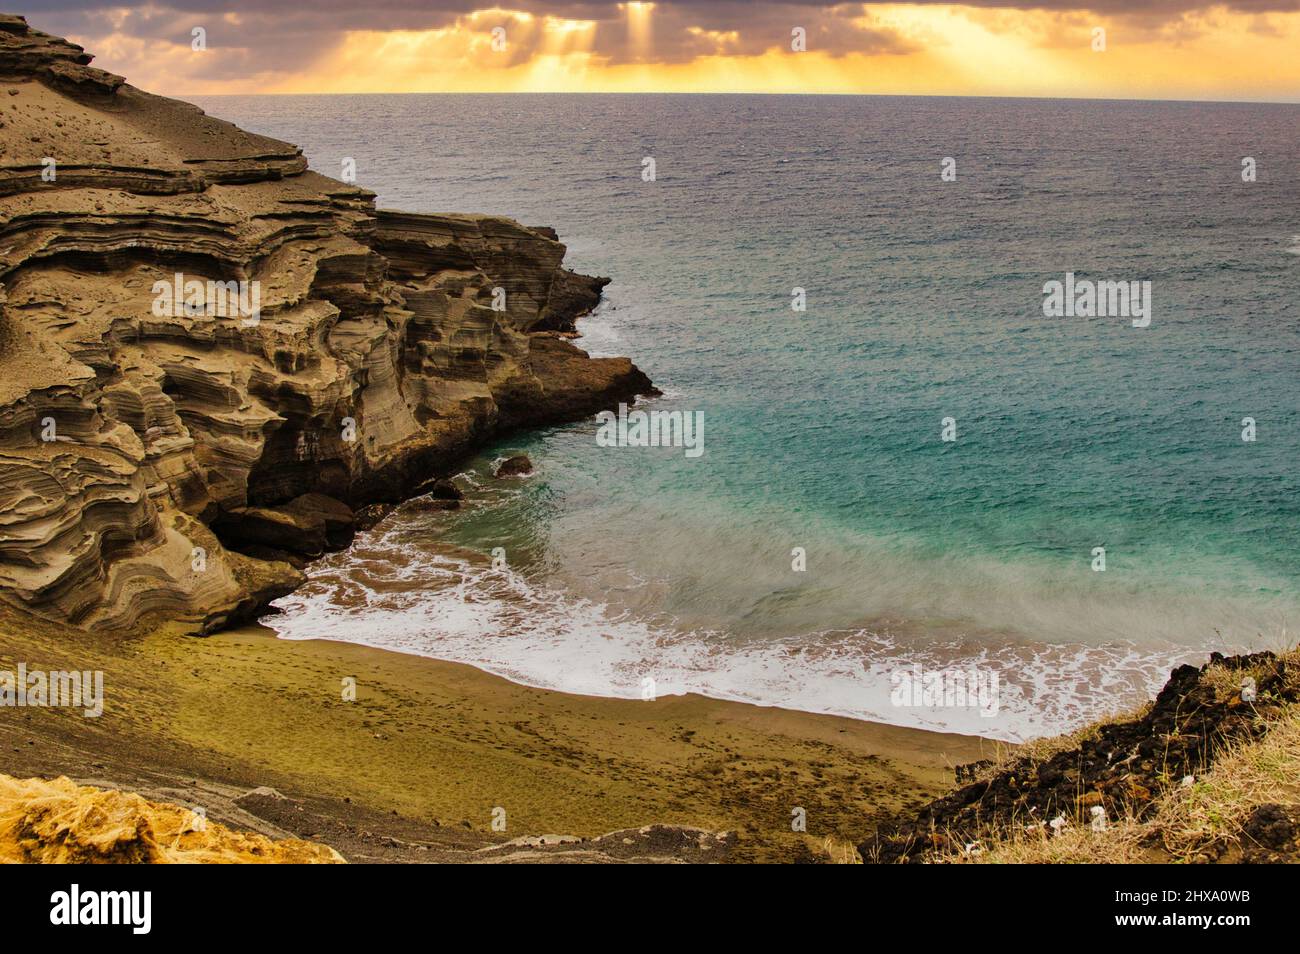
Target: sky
1133, 49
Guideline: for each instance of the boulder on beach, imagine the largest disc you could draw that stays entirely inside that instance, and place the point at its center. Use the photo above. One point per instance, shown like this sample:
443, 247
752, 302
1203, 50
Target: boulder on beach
516, 466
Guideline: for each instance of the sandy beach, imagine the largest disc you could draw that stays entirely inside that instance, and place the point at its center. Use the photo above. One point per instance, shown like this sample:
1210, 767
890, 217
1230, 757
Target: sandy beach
428, 749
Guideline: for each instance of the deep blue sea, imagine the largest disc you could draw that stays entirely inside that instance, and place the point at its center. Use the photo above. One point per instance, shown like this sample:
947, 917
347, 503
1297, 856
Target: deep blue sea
822, 428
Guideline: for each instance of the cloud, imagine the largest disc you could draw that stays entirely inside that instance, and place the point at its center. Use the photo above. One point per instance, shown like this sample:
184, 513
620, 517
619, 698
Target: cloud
282, 37
271, 44
255, 37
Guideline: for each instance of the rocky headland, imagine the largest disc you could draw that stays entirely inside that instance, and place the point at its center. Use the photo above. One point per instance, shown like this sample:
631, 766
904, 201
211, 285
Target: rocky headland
211, 358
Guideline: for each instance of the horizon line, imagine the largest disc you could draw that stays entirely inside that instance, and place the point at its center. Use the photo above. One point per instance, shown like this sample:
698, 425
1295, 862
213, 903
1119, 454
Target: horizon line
1081, 99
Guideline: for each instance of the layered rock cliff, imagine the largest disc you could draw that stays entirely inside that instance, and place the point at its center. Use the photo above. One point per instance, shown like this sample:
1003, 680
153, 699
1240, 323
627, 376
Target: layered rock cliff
210, 355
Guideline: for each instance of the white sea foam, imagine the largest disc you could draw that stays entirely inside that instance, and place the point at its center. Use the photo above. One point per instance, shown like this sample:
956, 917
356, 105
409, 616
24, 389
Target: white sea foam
447, 606
599, 336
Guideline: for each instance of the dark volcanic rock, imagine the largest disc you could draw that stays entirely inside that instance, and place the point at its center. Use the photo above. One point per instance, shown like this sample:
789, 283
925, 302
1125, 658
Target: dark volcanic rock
1123, 768
370, 515
1271, 835
516, 466
572, 297
340, 521
444, 489
243, 528
574, 386
1272, 826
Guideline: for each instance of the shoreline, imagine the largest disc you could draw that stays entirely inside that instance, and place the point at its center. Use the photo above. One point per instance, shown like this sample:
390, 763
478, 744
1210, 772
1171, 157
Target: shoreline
563, 653
257, 627
430, 748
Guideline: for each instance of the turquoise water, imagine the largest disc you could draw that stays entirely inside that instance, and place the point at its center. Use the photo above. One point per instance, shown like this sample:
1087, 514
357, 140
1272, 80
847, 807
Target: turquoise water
822, 428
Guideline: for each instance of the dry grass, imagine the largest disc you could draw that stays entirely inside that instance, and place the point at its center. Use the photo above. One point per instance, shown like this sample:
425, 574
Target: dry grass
841, 852
1207, 818
1227, 683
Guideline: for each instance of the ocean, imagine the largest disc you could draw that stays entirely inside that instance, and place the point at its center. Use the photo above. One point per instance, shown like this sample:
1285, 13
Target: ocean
635, 567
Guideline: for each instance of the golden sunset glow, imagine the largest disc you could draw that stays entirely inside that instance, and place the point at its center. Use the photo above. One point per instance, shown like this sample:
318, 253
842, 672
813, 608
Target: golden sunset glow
1207, 53
640, 37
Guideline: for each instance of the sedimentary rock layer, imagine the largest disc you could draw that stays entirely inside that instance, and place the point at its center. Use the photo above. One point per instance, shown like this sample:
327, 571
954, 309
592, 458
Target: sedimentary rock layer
160, 451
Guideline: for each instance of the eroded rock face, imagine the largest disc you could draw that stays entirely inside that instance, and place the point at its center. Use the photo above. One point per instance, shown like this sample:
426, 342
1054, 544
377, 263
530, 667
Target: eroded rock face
145, 441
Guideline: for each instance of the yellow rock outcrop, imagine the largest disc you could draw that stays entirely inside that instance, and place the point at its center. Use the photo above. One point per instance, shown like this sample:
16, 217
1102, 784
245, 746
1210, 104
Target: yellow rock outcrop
60, 822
